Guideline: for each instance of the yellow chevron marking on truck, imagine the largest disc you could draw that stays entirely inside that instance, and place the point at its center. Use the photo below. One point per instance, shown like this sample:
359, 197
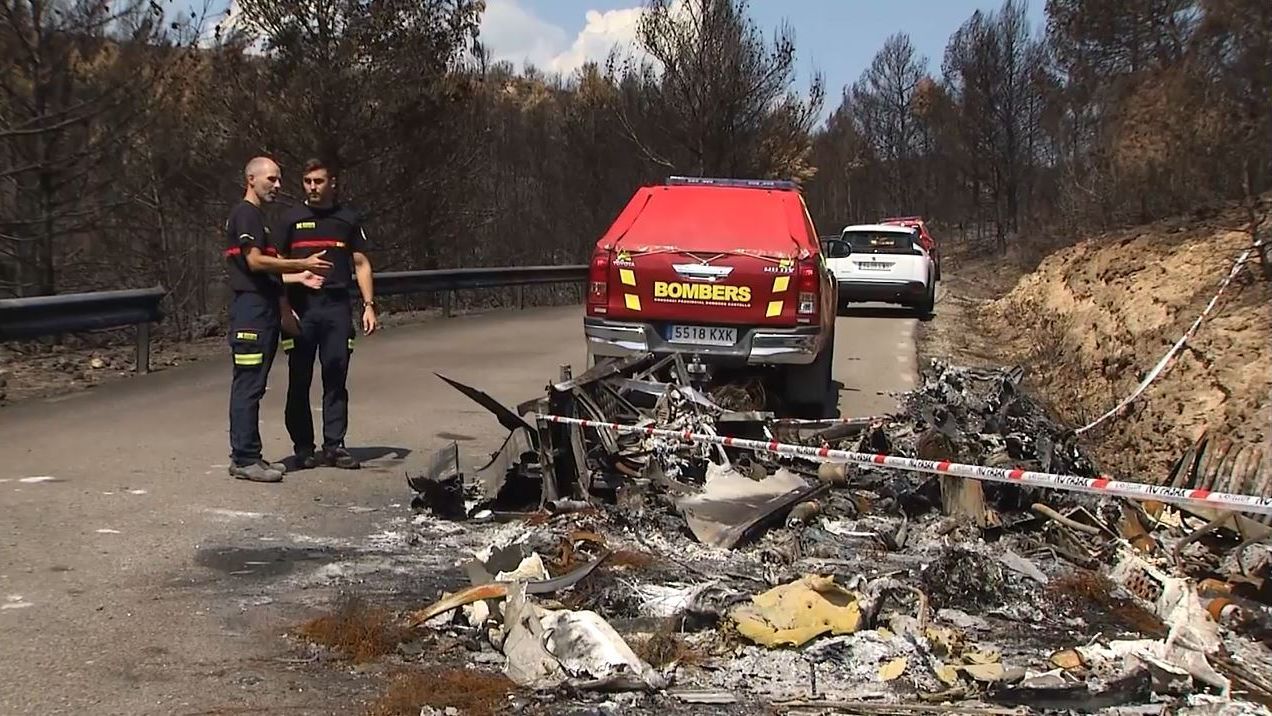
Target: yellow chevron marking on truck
632, 301
627, 276
781, 283
774, 309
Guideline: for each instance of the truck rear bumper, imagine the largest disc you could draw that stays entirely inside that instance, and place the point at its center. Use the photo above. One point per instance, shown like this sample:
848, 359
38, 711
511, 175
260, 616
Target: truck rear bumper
754, 345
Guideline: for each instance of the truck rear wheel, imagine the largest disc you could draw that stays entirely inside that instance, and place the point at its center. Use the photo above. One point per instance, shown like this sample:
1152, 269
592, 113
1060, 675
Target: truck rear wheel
809, 390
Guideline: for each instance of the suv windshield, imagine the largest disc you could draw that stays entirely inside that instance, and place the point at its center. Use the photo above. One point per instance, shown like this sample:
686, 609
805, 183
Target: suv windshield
881, 242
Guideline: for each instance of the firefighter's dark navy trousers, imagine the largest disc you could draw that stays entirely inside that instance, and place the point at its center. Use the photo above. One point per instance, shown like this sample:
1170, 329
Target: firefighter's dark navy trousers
326, 330
254, 328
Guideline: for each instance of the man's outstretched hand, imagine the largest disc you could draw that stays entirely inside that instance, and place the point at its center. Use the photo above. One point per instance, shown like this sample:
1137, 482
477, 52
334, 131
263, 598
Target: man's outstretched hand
315, 262
370, 322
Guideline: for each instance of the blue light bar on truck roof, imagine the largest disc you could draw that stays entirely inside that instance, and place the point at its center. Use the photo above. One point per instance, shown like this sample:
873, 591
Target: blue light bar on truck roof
749, 183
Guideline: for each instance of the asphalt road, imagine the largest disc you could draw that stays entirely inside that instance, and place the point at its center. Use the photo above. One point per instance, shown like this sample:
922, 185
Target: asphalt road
136, 577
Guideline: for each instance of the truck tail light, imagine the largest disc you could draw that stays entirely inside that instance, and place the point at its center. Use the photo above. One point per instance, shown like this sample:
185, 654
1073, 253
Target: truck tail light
598, 283
809, 288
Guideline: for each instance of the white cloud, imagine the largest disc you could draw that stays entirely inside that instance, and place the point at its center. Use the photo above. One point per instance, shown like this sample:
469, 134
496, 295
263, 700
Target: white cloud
229, 22
513, 33
602, 32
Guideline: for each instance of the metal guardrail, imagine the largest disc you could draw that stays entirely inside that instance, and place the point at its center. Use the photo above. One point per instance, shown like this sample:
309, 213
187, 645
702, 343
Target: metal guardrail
399, 283
22, 318
25, 318
395, 283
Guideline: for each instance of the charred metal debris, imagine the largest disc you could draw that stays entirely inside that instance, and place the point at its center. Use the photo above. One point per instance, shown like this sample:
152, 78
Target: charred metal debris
657, 572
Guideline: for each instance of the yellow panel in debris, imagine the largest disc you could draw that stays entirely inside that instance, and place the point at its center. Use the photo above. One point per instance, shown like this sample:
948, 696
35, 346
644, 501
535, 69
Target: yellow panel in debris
794, 613
781, 283
892, 669
985, 672
946, 673
943, 641
981, 657
627, 276
1067, 659
632, 301
774, 309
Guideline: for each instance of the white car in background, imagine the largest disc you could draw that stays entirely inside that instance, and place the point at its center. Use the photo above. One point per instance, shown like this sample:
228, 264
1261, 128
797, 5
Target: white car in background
882, 262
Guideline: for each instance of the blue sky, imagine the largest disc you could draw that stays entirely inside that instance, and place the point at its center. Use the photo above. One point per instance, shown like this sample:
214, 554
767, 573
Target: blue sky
837, 37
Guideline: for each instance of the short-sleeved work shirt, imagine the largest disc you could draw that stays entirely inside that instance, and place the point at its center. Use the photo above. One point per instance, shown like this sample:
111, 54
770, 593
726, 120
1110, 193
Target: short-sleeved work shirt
246, 229
305, 230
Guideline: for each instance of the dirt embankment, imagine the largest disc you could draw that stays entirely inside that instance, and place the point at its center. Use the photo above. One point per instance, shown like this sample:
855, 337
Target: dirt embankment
1092, 319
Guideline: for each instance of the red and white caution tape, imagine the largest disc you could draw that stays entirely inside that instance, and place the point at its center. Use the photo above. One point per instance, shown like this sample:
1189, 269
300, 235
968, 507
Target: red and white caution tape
1161, 365
1072, 483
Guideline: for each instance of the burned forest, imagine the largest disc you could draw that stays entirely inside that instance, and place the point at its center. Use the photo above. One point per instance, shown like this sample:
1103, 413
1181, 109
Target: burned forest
119, 123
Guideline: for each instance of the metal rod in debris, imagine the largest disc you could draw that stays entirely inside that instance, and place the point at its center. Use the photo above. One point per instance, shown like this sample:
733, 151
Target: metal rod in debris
1072, 483
864, 420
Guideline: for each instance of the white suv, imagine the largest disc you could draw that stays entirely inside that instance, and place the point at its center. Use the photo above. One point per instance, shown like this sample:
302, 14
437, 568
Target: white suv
882, 262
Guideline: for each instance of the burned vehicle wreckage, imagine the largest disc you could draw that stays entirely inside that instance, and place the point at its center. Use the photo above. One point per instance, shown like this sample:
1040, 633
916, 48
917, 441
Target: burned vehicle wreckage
651, 541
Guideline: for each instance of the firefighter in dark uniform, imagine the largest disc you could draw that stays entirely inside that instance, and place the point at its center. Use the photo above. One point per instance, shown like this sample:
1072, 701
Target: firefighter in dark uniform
326, 315
256, 314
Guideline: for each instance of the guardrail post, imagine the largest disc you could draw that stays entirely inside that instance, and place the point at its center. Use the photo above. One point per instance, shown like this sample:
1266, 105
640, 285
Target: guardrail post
448, 299
143, 348
521, 296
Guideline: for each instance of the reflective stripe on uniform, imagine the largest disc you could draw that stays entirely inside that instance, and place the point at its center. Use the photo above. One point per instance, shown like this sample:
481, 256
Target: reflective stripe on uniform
318, 243
350, 344
246, 335
268, 251
288, 343
249, 358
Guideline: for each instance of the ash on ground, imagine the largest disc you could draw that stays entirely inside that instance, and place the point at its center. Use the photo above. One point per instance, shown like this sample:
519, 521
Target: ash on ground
636, 559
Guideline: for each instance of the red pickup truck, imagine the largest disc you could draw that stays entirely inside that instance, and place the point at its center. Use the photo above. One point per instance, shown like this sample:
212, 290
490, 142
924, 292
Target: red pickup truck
727, 272
925, 237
